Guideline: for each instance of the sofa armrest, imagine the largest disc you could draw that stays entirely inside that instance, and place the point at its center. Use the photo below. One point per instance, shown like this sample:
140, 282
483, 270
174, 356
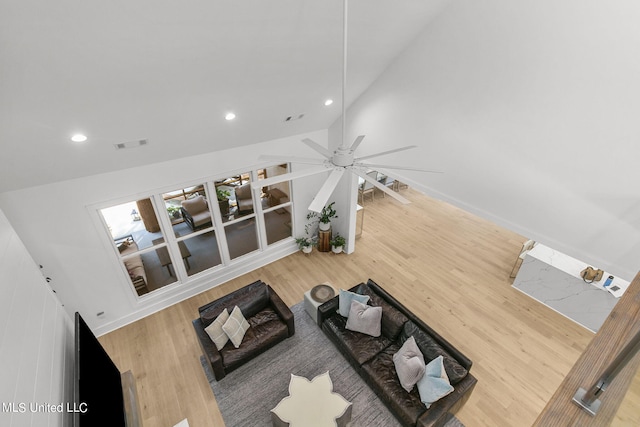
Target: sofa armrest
283, 311
329, 308
209, 350
187, 217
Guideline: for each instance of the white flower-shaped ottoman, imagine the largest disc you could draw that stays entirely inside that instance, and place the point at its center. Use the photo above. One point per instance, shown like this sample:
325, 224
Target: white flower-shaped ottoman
312, 404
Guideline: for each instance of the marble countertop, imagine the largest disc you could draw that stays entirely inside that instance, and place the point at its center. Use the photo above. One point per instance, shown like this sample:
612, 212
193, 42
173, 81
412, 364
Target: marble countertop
573, 267
586, 305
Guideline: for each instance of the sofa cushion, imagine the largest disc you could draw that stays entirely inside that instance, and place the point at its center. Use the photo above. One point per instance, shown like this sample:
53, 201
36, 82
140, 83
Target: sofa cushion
265, 315
392, 319
409, 364
195, 205
361, 347
236, 326
201, 218
364, 318
380, 374
215, 331
233, 357
345, 298
263, 333
431, 349
133, 262
267, 326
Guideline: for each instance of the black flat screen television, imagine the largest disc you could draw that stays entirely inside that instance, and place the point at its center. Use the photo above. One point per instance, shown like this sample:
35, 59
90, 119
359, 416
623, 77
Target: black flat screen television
98, 395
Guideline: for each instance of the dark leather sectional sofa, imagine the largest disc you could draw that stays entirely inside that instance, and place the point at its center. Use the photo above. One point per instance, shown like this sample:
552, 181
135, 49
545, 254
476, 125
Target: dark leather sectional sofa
270, 320
372, 357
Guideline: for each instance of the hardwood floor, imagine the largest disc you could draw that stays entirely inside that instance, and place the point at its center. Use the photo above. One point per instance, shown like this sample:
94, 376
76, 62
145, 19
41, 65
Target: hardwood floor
448, 266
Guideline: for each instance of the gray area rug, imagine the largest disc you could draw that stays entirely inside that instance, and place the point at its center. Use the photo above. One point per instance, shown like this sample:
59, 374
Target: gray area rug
246, 395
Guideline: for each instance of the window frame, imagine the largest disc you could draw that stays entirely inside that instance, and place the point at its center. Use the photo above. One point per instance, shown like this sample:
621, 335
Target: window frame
218, 226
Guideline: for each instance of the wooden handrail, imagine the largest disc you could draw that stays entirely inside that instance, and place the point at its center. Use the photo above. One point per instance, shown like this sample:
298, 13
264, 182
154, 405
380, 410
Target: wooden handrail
618, 329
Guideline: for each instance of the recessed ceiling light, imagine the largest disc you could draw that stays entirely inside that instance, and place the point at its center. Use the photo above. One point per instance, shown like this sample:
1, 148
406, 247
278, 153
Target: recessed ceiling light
328, 102
230, 116
79, 138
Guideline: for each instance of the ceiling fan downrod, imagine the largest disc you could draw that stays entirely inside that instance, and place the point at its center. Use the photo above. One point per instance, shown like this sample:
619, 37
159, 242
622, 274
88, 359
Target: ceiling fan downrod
344, 74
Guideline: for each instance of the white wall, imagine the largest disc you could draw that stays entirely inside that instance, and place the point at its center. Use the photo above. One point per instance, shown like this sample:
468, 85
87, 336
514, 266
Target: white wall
531, 110
59, 225
36, 339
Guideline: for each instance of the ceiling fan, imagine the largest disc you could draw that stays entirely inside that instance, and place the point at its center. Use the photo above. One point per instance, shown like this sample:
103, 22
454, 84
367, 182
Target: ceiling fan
342, 159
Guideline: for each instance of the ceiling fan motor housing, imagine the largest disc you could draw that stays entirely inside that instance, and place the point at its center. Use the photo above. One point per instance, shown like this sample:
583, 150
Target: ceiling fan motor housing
342, 157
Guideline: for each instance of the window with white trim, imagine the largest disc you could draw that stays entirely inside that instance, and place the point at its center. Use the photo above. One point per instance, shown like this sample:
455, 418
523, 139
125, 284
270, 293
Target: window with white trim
171, 236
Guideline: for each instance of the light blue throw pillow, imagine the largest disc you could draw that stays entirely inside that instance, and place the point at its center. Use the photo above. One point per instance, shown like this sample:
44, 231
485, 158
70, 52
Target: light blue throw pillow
345, 298
434, 384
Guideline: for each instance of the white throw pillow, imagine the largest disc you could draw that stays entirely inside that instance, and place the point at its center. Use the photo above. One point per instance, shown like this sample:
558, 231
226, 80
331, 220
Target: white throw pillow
215, 331
409, 363
364, 318
236, 326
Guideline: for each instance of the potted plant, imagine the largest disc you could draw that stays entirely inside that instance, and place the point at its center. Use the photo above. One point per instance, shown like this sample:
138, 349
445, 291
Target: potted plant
337, 243
305, 244
223, 200
174, 211
324, 217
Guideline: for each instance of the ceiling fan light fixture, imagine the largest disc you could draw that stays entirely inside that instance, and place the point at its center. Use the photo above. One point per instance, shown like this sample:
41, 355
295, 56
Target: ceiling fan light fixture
230, 116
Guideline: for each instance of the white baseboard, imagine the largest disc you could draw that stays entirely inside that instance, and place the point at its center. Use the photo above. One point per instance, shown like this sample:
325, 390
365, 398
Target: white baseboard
172, 294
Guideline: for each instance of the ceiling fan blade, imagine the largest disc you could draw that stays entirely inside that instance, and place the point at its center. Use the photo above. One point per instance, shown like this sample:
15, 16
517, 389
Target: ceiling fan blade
378, 167
356, 143
293, 159
326, 190
287, 177
381, 187
386, 152
319, 148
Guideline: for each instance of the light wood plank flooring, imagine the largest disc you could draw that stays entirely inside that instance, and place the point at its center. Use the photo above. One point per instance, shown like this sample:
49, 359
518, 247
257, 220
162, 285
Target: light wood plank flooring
448, 266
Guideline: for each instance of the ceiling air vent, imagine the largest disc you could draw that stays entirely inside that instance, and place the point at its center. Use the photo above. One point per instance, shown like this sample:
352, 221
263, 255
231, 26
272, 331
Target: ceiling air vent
294, 117
131, 144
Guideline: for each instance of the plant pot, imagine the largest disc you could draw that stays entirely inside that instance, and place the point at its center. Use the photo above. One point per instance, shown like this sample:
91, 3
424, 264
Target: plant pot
224, 207
307, 249
337, 249
324, 226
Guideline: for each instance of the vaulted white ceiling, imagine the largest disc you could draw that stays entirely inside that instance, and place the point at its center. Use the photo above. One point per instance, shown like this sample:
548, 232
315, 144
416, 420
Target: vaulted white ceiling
168, 72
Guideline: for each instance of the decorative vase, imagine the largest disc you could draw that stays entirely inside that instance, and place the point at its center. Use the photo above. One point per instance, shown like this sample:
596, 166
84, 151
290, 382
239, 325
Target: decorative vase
324, 226
307, 249
336, 249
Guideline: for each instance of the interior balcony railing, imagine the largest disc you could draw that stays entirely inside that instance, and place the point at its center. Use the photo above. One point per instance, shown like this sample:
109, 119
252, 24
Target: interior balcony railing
592, 392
